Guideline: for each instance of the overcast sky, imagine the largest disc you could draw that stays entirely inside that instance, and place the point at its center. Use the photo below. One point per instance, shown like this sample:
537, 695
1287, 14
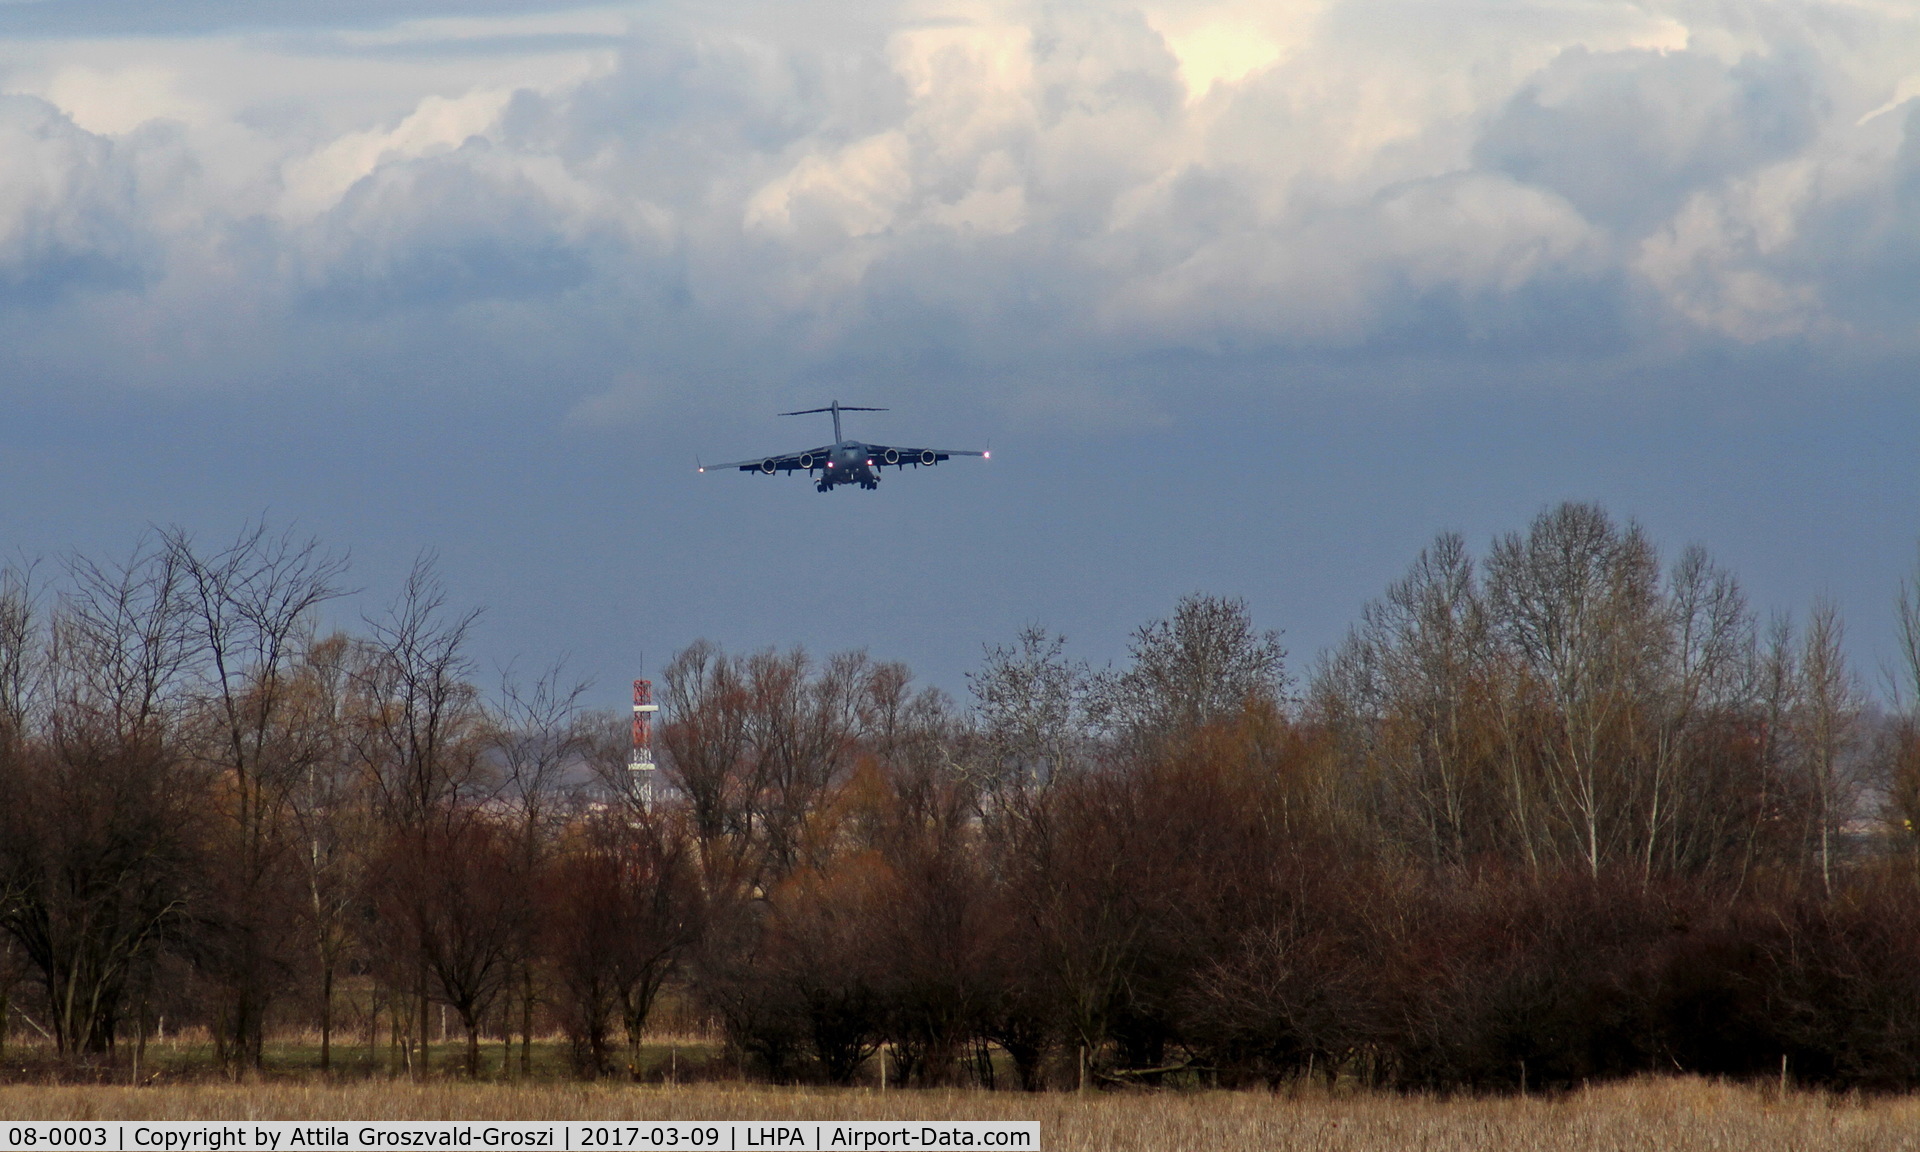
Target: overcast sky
1248, 298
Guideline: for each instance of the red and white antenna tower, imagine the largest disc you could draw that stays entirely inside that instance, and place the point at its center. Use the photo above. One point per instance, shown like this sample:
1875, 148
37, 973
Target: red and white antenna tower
643, 710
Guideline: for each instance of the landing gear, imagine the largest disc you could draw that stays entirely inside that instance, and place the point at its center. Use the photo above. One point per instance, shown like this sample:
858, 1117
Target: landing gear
822, 486
870, 485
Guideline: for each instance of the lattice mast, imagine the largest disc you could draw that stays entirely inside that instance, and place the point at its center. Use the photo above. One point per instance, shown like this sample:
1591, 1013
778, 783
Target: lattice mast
643, 710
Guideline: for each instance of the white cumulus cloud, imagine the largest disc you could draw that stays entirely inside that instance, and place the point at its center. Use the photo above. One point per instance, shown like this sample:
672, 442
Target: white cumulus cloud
764, 194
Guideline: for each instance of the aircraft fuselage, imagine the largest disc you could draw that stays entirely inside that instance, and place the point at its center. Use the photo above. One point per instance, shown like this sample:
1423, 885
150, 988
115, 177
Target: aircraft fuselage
848, 462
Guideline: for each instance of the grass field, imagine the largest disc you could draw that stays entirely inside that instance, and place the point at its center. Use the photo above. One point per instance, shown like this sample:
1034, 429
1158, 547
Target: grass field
191, 1058
1642, 1116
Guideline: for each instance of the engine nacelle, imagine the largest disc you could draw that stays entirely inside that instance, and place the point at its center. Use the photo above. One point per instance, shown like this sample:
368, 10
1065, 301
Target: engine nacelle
926, 456
769, 465
891, 456
806, 461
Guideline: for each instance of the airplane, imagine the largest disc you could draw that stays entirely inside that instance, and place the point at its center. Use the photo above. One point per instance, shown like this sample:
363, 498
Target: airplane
846, 461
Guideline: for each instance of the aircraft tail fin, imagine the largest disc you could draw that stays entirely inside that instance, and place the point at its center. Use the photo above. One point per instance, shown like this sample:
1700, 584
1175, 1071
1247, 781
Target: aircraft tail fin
836, 408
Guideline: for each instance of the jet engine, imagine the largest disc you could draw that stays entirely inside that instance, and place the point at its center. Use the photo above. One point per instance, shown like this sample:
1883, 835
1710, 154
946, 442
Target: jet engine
891, 456
926, 456
768, 465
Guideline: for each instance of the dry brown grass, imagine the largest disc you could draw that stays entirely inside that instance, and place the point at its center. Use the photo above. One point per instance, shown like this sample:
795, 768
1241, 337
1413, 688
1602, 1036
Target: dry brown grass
1641, 1116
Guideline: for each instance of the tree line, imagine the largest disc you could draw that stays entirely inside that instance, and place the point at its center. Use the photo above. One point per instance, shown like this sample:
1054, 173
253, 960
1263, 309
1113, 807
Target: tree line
1557, 811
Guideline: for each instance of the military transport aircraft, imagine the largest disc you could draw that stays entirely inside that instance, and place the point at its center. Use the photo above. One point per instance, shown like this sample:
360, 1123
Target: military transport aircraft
845, 461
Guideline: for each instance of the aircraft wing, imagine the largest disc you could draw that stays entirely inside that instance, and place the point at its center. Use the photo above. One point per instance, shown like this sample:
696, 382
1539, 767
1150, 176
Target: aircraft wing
802, 461
884, 455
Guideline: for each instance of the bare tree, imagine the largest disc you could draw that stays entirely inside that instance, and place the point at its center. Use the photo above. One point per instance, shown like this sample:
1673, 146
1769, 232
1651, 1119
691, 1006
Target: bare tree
1826, 729
419, 719
754, 744
1571, 705
1907, 635
459, 893
121, 641
1414, 683
802, 729
1903, 762
332, 825
418, 734
1203, 664
1031, 703
539, 741
23, 653
247, 609
705, 738
99, 822
1686, 813
1577, 601
99, 870
625, 907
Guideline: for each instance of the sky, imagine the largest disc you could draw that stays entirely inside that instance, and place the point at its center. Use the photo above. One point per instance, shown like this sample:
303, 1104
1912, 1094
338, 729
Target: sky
1249, 299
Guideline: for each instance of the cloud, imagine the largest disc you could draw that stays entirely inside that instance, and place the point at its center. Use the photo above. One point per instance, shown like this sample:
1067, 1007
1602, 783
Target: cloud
71, 210
1017, 196
116, 18
1627, 136
441, 232
319, 180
